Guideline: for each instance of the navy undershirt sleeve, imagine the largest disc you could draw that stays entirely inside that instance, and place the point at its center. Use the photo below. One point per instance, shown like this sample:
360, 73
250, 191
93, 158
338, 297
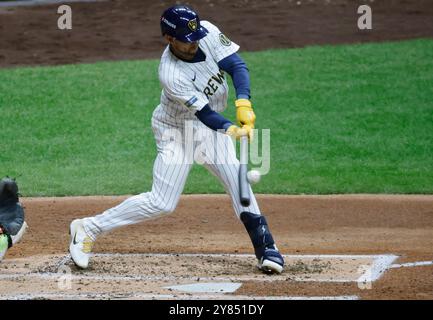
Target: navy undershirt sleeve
212, 119
237, 69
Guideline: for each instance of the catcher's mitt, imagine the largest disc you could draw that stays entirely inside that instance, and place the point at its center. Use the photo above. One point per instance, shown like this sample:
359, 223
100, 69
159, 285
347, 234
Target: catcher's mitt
11, 212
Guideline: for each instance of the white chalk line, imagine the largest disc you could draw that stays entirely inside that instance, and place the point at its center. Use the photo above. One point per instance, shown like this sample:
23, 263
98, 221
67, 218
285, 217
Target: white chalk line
377, 269
239, 255
371, 273
380, 264
411, 264
147, 296
164, 278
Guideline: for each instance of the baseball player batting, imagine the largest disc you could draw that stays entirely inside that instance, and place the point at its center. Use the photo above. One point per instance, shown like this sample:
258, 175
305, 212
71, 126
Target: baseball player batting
193, 74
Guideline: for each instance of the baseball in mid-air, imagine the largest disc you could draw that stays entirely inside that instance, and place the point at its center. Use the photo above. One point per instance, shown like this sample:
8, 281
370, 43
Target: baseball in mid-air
253, 176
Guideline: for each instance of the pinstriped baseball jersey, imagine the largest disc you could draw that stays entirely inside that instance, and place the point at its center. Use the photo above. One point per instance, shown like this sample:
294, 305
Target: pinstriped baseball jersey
183, 137
188, 87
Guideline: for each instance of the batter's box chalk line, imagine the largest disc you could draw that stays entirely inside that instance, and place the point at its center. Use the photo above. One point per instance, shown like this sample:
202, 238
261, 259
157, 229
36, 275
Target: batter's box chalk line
147, 296
367, 273
182, 286
411, 264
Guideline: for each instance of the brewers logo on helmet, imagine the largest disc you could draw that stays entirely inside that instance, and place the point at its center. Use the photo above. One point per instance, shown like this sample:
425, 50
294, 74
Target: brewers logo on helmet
182, 23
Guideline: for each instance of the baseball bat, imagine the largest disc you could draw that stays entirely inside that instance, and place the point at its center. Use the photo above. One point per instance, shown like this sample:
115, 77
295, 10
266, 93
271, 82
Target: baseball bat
244, 190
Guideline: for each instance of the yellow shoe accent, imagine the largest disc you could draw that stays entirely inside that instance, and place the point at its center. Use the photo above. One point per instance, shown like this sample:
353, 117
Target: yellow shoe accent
87, 245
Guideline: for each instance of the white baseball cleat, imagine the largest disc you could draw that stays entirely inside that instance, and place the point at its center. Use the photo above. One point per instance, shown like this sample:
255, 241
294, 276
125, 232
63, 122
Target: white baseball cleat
271, 262
269, 267
81, 244
17, 238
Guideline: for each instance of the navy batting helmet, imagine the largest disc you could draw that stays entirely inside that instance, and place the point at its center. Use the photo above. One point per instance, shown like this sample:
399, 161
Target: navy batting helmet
182, 23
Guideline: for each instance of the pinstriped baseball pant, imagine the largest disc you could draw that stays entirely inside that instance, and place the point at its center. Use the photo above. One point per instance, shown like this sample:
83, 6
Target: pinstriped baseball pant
172, 165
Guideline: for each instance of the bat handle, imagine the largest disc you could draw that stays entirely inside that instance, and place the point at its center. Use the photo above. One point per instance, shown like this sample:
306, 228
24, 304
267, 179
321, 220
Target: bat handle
244, 150
244, 191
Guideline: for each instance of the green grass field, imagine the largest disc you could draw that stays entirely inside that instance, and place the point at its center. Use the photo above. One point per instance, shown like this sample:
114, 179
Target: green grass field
343, 119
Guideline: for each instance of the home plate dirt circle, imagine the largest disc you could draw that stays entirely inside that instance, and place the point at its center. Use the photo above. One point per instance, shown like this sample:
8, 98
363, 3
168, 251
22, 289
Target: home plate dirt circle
174, 276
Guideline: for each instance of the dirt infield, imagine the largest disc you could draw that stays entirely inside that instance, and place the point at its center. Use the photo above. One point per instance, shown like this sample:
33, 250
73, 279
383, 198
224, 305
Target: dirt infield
129, 29
360, 226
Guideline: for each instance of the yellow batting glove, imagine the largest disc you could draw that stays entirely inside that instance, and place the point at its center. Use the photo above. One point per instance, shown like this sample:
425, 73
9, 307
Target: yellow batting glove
250, 132
244, 113
236, 132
